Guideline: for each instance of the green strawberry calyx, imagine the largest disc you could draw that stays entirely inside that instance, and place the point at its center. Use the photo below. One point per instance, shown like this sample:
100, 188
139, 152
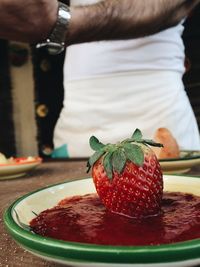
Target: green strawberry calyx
115, 156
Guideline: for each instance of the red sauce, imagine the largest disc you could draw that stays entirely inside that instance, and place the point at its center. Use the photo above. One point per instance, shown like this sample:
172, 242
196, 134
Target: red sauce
84, 219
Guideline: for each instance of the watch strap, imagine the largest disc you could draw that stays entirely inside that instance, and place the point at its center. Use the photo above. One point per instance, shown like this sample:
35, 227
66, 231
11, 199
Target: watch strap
56, 40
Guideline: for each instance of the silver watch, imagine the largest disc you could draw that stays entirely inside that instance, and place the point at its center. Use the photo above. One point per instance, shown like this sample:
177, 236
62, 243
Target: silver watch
55, 43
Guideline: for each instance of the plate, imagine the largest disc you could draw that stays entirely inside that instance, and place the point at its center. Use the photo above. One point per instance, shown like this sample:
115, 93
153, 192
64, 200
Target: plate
19, 167
86, 255
187, 160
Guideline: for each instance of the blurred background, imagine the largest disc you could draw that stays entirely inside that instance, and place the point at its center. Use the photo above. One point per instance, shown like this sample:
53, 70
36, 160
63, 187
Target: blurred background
31, 92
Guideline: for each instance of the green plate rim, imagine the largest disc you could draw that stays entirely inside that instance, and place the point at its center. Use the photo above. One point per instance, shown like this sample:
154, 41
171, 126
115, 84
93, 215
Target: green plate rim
182, 158
80, 252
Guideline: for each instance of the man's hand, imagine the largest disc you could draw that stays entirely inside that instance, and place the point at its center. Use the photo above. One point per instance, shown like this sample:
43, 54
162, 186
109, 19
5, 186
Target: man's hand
27, 20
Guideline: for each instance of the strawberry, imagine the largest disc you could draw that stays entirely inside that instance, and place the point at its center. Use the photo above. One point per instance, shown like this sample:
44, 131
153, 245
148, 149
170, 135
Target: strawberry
127, 176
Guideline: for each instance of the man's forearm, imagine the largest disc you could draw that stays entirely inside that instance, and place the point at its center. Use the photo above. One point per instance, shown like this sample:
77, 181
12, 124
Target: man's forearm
124, 19
33, 20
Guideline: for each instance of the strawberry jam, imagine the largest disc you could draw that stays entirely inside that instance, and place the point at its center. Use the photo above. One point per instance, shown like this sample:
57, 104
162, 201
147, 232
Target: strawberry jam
84, 219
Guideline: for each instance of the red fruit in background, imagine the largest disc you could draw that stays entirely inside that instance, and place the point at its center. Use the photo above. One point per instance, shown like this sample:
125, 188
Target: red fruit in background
127, 176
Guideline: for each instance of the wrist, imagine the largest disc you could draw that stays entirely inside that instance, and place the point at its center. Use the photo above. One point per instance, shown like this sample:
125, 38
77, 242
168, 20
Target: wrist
50, 21
74, 27
43, 20
80, 25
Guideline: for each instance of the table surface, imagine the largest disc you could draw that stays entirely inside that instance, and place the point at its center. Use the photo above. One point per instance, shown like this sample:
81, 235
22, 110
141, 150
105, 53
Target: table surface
47, 173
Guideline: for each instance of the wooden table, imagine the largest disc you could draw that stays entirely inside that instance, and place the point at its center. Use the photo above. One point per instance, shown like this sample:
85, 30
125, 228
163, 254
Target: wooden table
47, 173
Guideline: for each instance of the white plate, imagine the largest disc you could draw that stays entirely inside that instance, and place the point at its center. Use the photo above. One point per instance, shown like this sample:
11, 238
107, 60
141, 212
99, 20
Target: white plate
18, 169
20, 213
187, 160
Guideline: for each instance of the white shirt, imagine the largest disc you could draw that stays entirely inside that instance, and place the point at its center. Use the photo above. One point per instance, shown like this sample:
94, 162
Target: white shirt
161, 51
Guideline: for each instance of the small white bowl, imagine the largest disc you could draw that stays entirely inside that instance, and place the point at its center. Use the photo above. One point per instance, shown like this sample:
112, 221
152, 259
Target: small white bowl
19, 167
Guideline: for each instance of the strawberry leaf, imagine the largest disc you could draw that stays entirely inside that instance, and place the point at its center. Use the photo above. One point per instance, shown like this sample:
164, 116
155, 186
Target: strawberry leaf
134, 153
137, 135
88, 166
152, 143
95, 144
94, 158
107, 163
119, 160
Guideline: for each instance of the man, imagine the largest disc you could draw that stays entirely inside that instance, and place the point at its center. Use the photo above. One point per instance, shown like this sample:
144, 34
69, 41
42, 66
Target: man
114, 86
33, 20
